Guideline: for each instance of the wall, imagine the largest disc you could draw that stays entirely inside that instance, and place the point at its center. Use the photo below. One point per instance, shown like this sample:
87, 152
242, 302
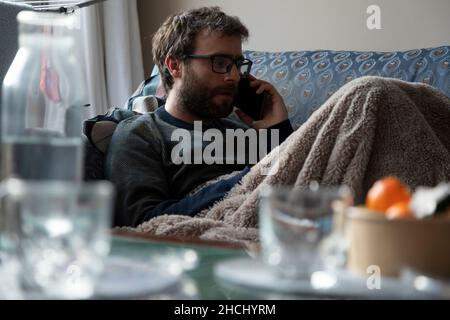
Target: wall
317, 24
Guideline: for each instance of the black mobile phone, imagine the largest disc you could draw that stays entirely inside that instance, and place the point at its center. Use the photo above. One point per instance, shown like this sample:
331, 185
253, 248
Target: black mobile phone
248, 101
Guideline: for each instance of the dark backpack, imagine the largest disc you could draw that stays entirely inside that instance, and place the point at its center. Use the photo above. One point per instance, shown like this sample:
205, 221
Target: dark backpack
97, 134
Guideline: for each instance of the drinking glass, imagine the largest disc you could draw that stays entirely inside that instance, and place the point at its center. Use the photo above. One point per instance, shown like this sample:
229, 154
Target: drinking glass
59, 233
296, 228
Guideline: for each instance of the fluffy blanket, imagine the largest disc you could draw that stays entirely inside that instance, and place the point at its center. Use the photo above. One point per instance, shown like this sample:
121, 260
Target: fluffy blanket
370, 128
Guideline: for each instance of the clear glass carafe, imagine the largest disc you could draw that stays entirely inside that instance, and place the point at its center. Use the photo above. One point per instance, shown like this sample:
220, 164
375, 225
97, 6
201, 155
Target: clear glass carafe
42, 101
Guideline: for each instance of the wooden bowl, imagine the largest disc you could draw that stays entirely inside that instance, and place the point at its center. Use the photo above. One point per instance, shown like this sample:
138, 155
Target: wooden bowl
422, 246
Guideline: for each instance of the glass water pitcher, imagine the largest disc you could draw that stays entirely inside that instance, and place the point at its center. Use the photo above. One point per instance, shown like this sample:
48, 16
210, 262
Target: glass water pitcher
42, 101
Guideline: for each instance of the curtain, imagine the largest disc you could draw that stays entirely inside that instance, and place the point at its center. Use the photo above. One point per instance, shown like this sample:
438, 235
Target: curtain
111, 45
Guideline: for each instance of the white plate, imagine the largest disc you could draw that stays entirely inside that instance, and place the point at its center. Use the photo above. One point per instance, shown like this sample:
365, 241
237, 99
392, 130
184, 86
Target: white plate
254, 274
127, 278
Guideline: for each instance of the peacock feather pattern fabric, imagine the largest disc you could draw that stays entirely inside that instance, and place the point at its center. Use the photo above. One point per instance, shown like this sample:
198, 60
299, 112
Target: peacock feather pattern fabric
306, 79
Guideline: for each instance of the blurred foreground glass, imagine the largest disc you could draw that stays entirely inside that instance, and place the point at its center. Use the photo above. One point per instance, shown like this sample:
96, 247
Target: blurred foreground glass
297, 230
43, 99
59, 234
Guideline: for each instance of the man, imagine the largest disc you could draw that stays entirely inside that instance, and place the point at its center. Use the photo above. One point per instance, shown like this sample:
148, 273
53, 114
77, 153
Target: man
199, 55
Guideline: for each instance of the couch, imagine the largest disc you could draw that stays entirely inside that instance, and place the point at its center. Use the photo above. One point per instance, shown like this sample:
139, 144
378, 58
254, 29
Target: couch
305, 79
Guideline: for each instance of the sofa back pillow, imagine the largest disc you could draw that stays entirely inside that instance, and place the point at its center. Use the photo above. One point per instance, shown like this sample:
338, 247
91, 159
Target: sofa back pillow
306, 79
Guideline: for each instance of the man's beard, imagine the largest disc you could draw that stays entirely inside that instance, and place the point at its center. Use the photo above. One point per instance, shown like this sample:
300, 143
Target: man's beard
196, 98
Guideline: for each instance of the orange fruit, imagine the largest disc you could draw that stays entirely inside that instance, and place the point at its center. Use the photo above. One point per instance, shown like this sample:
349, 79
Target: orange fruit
399, 210
385, 193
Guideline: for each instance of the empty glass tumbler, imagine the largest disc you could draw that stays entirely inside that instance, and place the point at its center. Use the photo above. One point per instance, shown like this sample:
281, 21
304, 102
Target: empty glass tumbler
296, 226
58, 232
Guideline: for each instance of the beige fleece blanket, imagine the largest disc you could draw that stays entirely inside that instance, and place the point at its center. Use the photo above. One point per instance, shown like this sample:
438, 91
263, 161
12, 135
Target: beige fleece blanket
370, 128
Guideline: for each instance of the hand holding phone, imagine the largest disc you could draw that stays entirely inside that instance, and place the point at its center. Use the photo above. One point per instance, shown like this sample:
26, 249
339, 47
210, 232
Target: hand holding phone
261, 105
248, 100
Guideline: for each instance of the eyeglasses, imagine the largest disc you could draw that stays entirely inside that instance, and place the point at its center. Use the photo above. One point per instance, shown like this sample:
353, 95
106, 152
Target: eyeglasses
222, 63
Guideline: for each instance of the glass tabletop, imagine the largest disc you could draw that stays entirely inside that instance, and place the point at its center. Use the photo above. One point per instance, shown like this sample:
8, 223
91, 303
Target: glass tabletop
195, 260
210, 271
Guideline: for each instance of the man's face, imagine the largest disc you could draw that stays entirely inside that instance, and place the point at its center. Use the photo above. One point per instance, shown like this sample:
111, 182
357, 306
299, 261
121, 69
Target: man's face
203, 92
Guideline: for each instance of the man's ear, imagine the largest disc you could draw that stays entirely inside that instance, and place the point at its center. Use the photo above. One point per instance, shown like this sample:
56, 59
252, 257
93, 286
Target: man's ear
174, 66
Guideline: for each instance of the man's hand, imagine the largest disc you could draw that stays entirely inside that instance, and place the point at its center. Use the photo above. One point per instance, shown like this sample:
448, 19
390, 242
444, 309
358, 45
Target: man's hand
274, 109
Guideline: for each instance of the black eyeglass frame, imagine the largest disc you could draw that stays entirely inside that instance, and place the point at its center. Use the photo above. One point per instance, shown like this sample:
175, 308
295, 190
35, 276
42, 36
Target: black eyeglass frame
238, 62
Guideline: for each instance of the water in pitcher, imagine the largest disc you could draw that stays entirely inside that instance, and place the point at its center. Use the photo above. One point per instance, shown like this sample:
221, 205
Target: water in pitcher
37, 158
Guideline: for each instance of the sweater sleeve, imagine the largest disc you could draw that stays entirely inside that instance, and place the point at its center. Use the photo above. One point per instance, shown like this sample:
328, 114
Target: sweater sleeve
285, 129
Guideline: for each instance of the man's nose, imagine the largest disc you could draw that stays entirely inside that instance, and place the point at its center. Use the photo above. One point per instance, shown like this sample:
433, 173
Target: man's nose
233, 74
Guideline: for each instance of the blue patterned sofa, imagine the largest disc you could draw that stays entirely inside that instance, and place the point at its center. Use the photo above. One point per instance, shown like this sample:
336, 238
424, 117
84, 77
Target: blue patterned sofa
306, 79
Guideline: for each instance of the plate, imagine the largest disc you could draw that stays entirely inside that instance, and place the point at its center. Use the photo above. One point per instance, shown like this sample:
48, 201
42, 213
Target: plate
127, 278
253, 273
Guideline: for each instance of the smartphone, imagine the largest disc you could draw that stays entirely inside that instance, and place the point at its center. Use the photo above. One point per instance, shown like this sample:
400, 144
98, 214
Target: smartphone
248, 101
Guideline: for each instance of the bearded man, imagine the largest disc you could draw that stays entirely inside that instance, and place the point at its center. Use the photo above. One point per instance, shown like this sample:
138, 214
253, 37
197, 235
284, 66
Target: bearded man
199, 56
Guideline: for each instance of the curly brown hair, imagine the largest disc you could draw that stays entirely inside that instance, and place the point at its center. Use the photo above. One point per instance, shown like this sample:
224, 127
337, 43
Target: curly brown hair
176, 36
